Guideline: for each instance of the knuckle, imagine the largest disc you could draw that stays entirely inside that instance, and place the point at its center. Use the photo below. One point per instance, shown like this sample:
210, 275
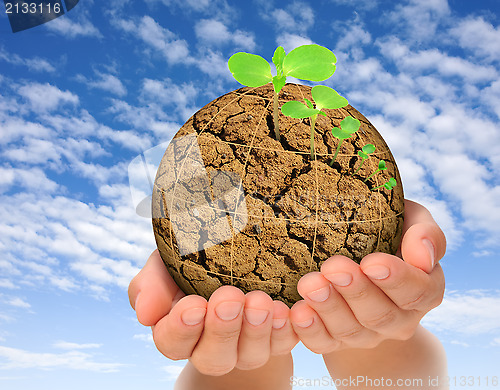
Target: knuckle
380, 321
226, 335
348, 335
356, 295
414, 304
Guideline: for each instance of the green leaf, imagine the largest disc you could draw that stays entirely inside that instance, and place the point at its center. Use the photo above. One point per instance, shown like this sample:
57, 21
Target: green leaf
278, 83
340, 134
326, 97
295, 109
308, 103
388, 186
310, 62
278, 57
364, 156
350, 124
393, 182
368, 148
381, 165
250, 69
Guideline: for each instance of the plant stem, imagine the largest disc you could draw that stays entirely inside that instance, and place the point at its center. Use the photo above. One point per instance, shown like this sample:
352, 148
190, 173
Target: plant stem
336, 152
368, 178
374, 188
275, 116
360, 165
313, 122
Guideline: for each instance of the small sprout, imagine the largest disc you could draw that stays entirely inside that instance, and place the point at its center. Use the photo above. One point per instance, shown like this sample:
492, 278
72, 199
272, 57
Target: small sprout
324, 97
381, 167
306, 62
389, 185
363, 153
348, 127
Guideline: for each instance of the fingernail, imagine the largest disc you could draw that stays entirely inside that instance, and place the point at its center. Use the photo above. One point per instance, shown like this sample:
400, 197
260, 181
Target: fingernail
432, 252
137, 300
279, 323
305, 324
228, 311
193, 316
378, 272
256, 316
319, 295
340, 279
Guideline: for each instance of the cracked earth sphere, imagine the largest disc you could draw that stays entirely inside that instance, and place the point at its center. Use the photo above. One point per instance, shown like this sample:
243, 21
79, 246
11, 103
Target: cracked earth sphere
234, 206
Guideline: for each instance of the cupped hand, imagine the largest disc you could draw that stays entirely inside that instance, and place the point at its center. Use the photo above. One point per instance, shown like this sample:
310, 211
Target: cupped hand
347, 305
230, 330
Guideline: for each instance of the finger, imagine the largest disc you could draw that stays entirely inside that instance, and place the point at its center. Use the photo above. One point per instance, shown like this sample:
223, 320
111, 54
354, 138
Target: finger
410, 288
152, 291
283, 338
311, 330
334, 312
217, 350
423, 243
177, 334
371, 307
254, 345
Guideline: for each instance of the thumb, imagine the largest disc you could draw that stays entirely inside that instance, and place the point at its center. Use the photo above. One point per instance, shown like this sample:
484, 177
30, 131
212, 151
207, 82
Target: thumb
423, 245
152, 291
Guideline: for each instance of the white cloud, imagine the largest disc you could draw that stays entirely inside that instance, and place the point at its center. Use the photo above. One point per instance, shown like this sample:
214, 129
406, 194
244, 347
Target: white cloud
214, 32
194, 5
46, 97
17, 302
479, 36
104, 244
160, 39
15, 358
354, 36
290, 41
105, 82
470, 313
146, 337
74, 25
173, 371
33, 179
73, 346
422, 61
296, 17
166, 92
35, 64
419, 18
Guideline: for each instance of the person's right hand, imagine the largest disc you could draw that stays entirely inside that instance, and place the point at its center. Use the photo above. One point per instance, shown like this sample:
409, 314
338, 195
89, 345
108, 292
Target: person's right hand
231, 330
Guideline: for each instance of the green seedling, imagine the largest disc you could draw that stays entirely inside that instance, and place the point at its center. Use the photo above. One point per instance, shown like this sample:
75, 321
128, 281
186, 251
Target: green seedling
306, 62
348, 127
363, 153
324, 97
381, 167
389, 185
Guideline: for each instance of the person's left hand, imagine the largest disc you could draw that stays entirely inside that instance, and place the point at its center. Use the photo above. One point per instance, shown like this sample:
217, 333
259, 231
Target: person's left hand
349, 305
230, 330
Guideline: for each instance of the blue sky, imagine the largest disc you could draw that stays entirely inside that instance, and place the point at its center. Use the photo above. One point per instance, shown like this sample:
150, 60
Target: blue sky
83, 95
